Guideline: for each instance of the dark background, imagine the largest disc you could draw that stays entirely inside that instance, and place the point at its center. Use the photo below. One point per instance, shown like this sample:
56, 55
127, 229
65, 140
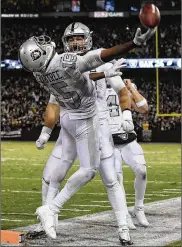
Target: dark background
23, 102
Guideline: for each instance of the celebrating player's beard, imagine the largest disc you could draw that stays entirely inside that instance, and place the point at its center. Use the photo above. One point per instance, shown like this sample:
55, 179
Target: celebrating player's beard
62, 76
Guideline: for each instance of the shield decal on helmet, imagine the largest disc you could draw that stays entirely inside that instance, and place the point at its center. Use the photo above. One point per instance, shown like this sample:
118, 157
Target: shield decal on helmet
36, 54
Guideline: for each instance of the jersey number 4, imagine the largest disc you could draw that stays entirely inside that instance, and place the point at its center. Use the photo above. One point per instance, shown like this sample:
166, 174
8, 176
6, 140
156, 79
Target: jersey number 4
113, 106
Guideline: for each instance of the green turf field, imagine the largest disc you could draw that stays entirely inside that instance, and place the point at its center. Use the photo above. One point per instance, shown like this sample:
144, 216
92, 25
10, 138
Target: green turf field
175, 244
22, 167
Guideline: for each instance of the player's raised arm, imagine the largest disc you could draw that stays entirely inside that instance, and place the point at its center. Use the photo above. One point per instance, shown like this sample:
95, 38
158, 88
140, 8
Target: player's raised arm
139, 103
124, 101
96, 58
112, 75
114, 70
94, 76
51, 117
120, 50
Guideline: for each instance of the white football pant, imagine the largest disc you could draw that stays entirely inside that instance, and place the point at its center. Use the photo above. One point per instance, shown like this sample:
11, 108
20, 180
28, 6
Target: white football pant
108, 174
132, 154
106, 169
79, 137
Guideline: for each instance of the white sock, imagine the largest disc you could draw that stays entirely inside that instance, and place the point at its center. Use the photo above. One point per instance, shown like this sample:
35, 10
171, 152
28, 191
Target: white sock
139, 203
118, 203
51, 194
60, 200
120, 180
45, 187
74, 183
140, 187
115, 194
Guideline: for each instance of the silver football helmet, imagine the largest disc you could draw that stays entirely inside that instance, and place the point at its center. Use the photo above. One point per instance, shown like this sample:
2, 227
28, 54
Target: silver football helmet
77, 29
36, 52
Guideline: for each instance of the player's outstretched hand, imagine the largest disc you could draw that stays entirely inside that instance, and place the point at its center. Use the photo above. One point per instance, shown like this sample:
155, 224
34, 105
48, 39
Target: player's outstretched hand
43, 138
115, 69
141, 39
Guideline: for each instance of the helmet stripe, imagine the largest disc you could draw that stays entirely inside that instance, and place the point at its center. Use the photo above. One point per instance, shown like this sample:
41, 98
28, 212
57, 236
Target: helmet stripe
72, 27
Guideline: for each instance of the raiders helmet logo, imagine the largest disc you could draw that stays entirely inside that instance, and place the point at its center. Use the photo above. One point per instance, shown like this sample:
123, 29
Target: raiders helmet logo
36, 54
123, 136
133, 63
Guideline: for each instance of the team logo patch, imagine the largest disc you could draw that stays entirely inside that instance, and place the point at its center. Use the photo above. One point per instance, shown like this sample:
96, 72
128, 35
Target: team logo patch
123, 136
36, 54
133, 63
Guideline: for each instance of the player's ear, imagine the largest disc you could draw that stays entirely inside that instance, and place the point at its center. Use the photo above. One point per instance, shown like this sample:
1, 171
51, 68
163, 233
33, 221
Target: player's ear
91, 32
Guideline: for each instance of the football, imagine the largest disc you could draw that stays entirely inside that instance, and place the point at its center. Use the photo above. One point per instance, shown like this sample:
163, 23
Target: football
149, 16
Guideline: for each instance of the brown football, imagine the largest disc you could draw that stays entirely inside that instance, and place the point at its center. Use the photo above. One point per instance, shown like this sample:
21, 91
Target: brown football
150, 16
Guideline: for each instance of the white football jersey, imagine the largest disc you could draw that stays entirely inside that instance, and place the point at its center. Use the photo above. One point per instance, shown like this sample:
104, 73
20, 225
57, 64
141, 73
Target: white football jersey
101, 87
64, 78
115, 113
115, 120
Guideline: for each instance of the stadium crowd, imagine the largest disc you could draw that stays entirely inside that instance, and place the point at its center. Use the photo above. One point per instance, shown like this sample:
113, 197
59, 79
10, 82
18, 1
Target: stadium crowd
23, 102
28, 6
14, 34
32, 6
169, 103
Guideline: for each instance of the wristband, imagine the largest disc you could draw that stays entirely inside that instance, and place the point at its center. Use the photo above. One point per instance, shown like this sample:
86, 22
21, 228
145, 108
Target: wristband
141, 103
127, 115
46, 130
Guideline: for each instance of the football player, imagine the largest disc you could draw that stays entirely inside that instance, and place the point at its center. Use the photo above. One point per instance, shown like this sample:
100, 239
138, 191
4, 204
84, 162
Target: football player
62, 76
106, 168
132, 154
55, 171
130, 151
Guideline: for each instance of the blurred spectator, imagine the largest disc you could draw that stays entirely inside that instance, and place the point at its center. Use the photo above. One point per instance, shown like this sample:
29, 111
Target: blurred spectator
23, 102
27, 6
169, 102
105, 34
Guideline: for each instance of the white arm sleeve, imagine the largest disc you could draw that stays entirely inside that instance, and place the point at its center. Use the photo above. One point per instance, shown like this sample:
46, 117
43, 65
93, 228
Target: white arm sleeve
52, 100
89, 61
116, 83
